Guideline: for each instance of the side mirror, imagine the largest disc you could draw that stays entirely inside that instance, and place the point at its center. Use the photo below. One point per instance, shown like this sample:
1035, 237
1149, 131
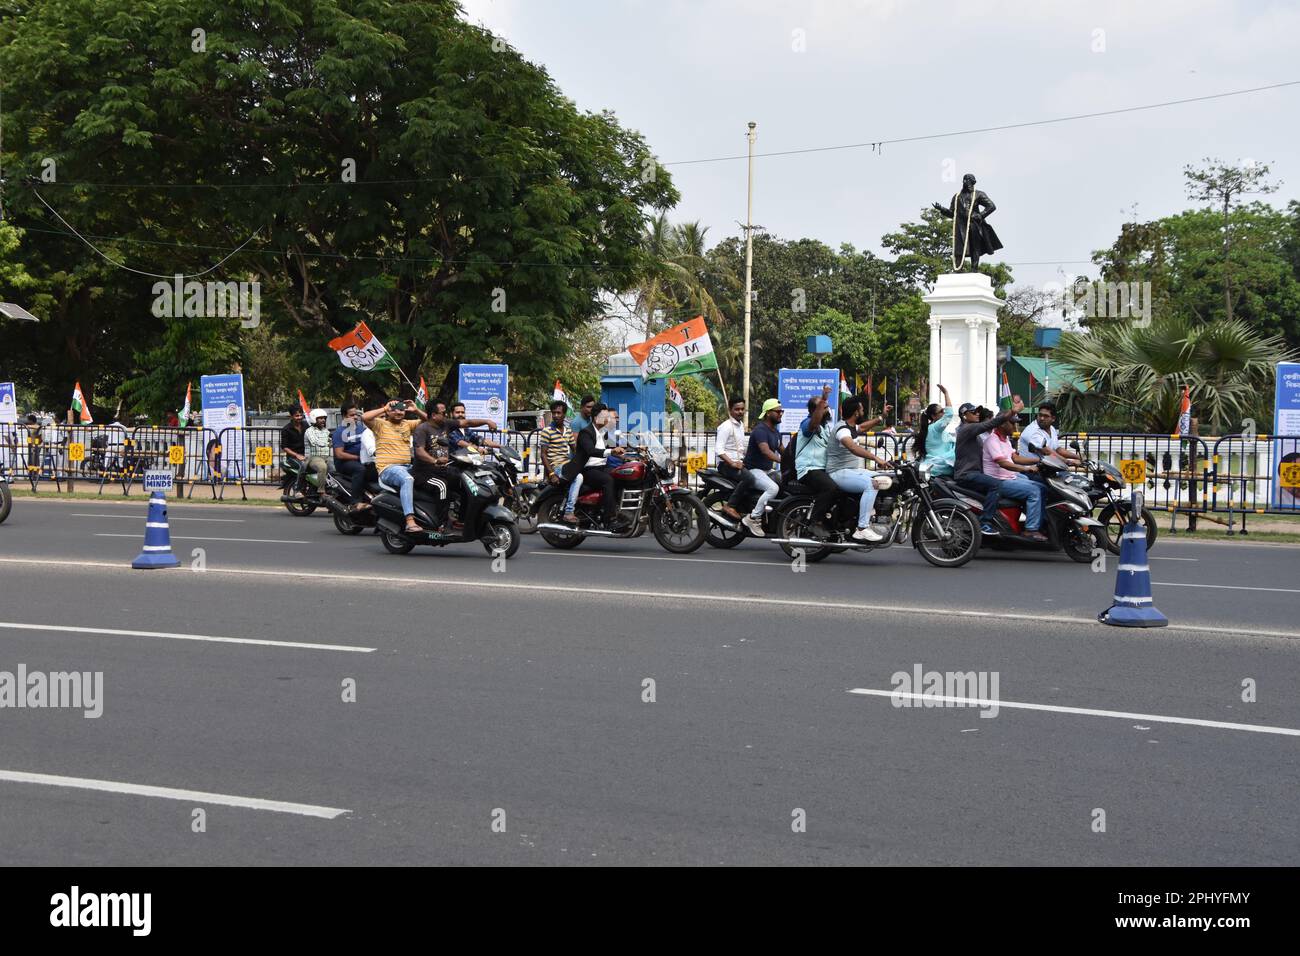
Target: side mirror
1036, 449
1075, 445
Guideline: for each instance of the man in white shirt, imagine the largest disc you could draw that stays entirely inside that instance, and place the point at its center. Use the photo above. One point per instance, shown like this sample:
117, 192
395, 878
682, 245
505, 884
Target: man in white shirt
1042, 433
730, 445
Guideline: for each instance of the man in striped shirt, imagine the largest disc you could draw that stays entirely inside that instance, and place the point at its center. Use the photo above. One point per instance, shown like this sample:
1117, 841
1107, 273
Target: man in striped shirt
554, 442
392, 431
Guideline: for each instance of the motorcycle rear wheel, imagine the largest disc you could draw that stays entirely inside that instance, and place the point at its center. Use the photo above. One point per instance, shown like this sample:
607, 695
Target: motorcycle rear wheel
395, 543
558, 539
796, 522
961, 543
6, 500
718, 535
346, 525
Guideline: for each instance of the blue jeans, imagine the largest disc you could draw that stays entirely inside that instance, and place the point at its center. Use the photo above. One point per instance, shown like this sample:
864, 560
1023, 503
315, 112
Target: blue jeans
575, 488
855, 480
988, 485
1020, 488
399, 477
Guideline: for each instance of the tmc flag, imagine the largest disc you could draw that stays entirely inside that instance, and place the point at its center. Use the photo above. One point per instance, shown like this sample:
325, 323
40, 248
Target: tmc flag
681, 350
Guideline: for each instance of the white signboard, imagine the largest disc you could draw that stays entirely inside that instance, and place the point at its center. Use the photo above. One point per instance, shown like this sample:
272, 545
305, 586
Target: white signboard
157, 479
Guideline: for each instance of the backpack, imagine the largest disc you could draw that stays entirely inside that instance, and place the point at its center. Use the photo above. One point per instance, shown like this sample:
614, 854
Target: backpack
788, 454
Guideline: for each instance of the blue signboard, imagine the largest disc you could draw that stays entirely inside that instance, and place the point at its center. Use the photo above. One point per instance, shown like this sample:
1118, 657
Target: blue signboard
1286, 421
223, 408
8, 404
794, 386
485, 390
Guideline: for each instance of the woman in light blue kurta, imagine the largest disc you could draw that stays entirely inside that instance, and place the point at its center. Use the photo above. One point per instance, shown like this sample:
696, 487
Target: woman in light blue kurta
935, 442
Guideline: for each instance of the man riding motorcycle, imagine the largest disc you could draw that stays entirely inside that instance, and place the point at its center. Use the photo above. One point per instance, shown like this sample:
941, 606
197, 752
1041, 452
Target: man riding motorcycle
589, 460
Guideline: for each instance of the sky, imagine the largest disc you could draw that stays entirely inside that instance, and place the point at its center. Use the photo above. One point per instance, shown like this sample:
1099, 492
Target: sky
814, 73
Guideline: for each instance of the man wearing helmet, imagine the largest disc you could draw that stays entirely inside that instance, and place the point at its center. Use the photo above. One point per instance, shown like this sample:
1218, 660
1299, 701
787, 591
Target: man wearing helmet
318, 446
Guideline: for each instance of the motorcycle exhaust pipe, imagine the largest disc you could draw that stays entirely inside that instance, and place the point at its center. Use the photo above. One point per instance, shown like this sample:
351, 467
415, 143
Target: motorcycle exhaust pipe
719, 518
334, 505
574, 529
814, 543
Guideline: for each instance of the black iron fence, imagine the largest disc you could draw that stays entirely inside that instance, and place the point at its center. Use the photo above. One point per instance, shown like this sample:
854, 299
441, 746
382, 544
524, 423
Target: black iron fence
1233, 474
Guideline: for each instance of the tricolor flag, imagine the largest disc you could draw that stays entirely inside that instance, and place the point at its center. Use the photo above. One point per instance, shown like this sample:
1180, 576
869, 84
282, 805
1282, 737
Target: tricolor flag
79, 405
302, 403
1185, 413
557, 394
675, 397
1004, 392
183, 418
845, 391
681, 350
359, 349
422, 395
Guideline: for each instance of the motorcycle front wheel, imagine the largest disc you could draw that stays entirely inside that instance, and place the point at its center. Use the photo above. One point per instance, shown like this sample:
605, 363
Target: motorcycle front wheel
1112, 520
960, 540
6, 500
1079, 543
525, 507
501, 536
680, 523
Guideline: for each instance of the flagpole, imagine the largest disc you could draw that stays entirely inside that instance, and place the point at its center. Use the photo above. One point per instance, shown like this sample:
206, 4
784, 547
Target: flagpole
726, 405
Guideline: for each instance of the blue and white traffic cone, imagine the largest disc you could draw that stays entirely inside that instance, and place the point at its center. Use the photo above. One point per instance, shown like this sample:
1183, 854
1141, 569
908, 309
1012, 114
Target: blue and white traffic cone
1133, 605
157, 551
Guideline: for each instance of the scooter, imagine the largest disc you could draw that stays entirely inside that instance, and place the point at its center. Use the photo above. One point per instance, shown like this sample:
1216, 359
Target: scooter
1067, 512
459, 506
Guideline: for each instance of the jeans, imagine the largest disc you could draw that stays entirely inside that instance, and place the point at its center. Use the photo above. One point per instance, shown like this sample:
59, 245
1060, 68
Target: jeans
767, 488
399, 477
575, 489
990, 487
858, 480
354, 474
1020, 488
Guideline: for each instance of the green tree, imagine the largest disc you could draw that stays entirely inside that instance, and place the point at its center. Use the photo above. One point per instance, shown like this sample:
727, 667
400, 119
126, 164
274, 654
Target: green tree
1136, 374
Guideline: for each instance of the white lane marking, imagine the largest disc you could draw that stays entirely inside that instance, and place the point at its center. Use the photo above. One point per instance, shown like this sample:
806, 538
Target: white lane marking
1152, 557
183, 537
174, 517
172, 636
171, 793
809, 605
1224, 587
1085, 711
652, 557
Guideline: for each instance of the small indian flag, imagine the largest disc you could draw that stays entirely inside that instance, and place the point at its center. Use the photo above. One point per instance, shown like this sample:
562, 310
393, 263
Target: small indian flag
682, 350
302, 403
1004, 392
557, 394
360, 349
422, 394
845, 391
183, 418
675, 397
1185, 413
79, 405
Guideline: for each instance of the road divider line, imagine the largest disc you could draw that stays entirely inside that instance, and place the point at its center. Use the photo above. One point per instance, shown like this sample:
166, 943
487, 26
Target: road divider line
810, 605
652, 557
1082, 711
171, 793
77, 514
1152, 557
182, 537
171, 636
1225, 587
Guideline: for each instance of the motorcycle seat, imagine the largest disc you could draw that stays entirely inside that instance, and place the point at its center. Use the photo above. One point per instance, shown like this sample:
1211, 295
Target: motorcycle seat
374, 487
707, 473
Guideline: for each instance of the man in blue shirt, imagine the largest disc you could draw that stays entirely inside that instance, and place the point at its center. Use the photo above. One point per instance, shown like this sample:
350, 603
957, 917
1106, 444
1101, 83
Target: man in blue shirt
346, 441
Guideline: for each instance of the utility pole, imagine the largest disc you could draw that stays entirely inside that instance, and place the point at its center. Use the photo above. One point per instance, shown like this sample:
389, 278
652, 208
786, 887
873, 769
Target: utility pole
749, 260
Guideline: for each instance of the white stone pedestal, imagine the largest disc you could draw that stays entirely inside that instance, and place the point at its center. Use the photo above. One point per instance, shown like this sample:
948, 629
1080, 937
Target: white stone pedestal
964, 338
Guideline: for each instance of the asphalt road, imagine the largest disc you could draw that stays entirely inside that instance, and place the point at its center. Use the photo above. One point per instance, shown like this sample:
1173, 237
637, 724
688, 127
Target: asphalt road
519, 697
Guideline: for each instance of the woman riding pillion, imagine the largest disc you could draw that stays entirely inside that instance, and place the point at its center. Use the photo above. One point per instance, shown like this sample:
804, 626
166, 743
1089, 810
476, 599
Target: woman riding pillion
935, 441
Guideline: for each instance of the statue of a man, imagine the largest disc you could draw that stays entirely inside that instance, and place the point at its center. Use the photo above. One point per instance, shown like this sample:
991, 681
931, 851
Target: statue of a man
971, 234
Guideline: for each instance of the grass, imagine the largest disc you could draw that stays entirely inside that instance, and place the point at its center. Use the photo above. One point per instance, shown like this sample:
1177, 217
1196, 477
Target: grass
202, 496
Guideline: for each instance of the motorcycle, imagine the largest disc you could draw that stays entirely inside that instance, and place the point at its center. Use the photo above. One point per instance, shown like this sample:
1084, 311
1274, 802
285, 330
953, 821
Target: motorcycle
715, 491
1067, 512
944, 532
648, 498
338, 498
6, 496
468, 507
1107, 485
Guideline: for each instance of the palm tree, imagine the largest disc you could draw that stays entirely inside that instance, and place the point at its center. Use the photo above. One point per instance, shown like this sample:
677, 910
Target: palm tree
1136, 374
676, 282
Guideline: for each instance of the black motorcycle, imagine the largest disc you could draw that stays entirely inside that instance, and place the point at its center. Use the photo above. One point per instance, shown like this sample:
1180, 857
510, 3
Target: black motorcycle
724, 531
1067, 522
943, 531
338, 498
461, 504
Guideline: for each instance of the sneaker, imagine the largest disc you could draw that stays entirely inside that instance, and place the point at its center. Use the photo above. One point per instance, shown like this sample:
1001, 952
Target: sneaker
989, 530
867, 534
753, 526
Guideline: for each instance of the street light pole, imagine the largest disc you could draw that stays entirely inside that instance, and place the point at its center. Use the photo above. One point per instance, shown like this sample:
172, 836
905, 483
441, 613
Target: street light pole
749, 259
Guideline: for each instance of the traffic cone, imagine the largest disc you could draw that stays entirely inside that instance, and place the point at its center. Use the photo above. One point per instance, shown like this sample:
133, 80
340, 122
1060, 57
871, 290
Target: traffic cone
1133, 605
157, 551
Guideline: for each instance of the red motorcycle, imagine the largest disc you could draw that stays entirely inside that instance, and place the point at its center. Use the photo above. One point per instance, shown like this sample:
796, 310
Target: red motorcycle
648, 498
